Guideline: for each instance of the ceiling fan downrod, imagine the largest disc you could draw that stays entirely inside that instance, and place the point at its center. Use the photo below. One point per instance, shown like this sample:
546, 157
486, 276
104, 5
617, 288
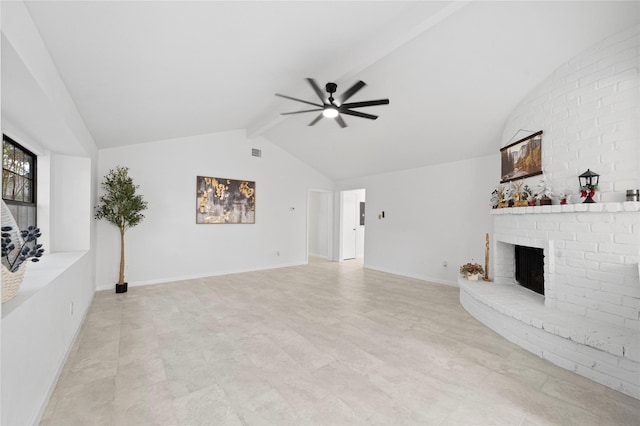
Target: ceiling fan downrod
331, 110
331, 89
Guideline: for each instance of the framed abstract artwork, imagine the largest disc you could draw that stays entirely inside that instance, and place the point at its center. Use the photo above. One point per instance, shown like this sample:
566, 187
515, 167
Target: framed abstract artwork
522, 158
225, 201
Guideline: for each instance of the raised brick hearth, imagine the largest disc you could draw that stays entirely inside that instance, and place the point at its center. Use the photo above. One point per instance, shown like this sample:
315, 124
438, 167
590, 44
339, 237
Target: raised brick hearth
588, 321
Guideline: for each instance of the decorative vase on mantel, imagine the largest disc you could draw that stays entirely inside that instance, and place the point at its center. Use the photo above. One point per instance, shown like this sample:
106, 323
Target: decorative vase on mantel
473, 277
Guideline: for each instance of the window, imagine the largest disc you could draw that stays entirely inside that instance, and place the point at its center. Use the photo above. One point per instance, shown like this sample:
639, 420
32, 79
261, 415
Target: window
19, 181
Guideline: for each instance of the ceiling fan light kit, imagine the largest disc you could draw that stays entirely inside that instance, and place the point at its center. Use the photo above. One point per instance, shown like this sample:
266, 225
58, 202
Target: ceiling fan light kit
330, 112
332, 109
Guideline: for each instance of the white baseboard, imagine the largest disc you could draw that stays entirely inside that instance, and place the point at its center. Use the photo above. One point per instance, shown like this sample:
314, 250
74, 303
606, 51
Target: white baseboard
196, 276
417, 277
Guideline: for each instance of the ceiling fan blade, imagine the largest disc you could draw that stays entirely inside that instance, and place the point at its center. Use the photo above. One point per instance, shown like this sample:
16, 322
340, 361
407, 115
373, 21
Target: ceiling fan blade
316, 89
299, 100
365, 103
315, 120
300, 112
352, 91
341, 122
359, 114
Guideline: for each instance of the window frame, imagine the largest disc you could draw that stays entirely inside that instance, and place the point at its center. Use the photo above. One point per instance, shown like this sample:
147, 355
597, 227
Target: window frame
33, 176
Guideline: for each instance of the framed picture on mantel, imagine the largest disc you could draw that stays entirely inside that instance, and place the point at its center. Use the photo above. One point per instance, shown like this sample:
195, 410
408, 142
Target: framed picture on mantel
522, 158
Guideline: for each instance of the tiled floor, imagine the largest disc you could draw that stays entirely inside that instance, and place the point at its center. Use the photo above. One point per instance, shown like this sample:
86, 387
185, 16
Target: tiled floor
325, 343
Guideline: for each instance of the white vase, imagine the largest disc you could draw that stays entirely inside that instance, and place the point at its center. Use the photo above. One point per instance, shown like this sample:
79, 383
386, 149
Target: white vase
473, 277
11, 282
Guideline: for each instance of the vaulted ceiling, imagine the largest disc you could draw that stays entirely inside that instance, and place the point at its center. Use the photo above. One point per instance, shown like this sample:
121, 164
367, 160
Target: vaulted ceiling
453, 71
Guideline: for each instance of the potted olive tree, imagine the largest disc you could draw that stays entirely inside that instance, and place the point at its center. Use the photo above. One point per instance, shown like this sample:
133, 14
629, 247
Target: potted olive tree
122, 207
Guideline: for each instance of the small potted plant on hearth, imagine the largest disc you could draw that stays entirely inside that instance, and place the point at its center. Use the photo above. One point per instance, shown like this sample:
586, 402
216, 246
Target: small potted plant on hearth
471, 271
122, 207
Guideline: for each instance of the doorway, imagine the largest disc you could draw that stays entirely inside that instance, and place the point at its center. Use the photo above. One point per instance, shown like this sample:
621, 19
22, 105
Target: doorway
352, 224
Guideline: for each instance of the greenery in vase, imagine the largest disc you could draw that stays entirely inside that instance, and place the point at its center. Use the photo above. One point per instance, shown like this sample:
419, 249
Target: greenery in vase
471, 269
120, 206
29, 249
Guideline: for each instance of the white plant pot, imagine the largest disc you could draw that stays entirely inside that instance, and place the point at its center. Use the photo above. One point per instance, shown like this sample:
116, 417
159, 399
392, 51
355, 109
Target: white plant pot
11, 282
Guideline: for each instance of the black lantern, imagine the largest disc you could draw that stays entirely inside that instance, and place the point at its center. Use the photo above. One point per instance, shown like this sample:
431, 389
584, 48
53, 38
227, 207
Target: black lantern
588, 185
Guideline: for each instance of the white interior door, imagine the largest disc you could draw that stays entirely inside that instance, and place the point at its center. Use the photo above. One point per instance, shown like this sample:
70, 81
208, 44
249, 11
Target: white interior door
349, 225
360, 224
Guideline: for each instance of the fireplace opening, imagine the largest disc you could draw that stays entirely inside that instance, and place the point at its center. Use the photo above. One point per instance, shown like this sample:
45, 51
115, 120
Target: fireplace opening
530, 268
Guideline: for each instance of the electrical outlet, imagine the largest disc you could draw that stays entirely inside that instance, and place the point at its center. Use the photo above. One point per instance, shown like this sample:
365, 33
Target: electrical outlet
444, 264
278, 253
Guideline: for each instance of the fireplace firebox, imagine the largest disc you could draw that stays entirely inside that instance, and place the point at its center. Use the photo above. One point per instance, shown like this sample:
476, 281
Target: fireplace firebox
530, 268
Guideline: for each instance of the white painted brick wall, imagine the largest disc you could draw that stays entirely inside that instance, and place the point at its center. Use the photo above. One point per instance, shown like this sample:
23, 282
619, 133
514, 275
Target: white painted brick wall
588, 109
591, 257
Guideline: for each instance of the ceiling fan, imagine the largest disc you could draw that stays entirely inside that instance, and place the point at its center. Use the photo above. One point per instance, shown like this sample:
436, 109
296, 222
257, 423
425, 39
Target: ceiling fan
332, 108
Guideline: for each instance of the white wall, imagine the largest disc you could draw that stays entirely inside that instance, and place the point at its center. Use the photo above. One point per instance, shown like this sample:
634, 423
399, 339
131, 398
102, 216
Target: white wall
38, 327
588, 110
168, 245
71, 186
432, 214
319, 222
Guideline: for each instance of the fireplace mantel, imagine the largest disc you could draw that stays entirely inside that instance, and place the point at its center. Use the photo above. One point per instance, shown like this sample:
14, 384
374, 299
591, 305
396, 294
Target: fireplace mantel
627, 206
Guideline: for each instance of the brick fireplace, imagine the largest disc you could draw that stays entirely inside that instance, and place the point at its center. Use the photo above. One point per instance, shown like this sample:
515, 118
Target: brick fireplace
591, 256
588, 320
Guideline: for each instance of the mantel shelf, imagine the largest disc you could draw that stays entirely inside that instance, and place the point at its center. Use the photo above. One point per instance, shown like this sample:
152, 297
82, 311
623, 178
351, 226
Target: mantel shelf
626, 206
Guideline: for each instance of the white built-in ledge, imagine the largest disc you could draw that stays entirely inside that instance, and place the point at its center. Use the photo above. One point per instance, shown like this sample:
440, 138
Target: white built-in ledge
626, 206
41, 274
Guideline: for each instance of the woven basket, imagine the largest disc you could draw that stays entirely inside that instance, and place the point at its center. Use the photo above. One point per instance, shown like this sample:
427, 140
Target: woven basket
11, 282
